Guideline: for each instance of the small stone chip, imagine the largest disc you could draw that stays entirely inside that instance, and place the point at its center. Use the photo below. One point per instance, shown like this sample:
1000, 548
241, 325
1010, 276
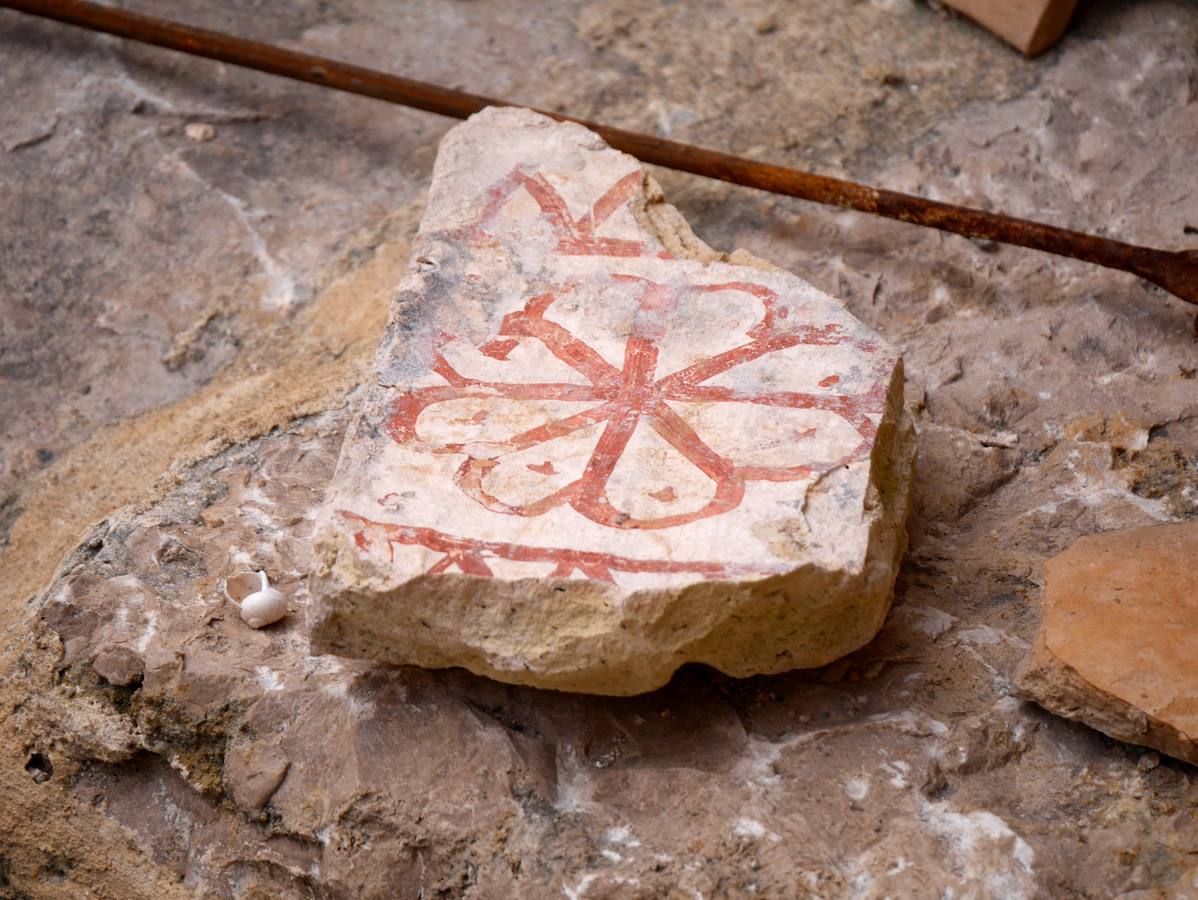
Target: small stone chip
199, 131
766, 25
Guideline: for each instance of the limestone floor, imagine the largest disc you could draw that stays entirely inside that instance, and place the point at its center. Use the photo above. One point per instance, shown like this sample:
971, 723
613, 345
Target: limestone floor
178, 313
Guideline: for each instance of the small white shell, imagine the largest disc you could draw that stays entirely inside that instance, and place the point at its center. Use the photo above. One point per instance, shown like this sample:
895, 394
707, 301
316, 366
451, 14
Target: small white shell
261, 605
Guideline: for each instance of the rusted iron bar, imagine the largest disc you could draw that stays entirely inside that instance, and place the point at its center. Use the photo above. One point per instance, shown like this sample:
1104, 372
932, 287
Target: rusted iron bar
1175, 271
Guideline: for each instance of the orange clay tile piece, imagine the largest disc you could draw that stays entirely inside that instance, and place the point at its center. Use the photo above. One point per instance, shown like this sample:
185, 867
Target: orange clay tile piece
1118, 646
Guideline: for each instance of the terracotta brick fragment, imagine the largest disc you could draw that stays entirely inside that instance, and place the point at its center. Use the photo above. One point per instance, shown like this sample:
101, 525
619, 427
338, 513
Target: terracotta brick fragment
1118, 645
1031, 26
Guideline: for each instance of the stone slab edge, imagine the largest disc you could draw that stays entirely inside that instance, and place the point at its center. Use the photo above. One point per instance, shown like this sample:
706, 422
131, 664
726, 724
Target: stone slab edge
1059, 688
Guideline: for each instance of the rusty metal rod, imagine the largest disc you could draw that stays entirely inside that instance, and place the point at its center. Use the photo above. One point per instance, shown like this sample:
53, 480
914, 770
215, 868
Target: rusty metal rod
1175, 271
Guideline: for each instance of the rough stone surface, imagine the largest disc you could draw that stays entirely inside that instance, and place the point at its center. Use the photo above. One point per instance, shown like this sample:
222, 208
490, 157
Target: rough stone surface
1053, 400
1118, 641
594, 449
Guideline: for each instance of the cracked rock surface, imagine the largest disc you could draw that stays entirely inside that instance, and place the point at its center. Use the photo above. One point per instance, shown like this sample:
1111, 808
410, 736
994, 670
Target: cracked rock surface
180, 355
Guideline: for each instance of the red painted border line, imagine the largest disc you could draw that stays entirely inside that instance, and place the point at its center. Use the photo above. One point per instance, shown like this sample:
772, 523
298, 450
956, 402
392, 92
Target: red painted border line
469, 555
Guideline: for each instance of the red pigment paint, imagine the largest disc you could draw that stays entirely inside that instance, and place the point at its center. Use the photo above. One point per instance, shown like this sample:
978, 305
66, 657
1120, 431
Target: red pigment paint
619, 398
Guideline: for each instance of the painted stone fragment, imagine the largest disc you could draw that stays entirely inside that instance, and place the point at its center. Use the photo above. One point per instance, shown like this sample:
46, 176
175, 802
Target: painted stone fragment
1118, 644
594, 449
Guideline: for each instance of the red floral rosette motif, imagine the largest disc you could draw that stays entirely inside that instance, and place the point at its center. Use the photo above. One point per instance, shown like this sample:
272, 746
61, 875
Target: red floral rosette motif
619, 398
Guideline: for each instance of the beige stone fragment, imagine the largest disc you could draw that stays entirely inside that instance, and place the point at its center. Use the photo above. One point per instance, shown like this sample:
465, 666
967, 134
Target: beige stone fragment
1118, 646
199, 131
595, 449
